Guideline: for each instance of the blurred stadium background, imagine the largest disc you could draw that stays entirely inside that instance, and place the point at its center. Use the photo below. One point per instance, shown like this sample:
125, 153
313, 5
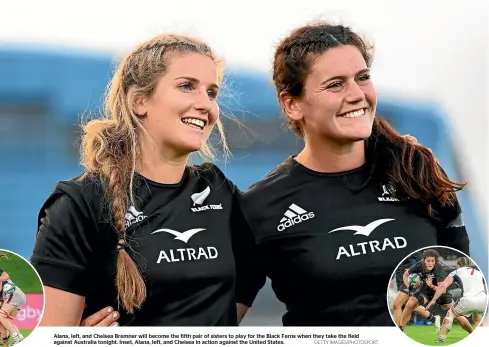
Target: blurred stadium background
55, 63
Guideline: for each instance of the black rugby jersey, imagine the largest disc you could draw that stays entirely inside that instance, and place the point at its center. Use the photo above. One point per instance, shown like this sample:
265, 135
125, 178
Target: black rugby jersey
438, 275
179, 234
435, 273
330, 250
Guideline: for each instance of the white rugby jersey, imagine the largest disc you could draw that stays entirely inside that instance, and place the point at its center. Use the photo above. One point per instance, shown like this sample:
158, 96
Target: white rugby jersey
469, 279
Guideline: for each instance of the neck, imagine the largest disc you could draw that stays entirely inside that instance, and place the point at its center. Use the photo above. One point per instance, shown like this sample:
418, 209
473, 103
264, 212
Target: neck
161, 165
332, 157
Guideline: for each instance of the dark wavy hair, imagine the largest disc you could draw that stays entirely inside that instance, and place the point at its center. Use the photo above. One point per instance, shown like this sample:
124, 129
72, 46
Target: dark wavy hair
411, 169
431, 253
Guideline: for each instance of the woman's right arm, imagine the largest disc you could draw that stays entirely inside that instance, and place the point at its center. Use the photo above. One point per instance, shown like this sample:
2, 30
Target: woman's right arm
64, 247
416, 268
62, 308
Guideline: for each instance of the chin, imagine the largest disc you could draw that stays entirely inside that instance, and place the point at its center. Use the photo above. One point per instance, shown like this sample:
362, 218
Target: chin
359, 136
192, 146
192, 149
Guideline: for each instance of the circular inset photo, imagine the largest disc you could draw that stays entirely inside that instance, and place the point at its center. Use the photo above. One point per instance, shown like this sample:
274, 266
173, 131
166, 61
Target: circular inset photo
437, 295
21, 299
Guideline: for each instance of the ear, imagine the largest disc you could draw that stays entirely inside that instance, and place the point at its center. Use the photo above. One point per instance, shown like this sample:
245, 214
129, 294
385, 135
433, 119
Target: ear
139, 105
291, 106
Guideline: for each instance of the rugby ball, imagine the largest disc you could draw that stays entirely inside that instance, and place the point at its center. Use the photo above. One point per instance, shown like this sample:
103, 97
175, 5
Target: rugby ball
8, 288
413, 279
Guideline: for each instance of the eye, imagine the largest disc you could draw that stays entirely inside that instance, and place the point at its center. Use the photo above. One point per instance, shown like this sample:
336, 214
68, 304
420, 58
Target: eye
186, 86
364, 78
334, 85
212, 93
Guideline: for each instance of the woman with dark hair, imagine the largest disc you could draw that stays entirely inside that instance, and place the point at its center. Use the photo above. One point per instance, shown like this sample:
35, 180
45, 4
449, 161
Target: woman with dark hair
329, 225
423, 268
430, 278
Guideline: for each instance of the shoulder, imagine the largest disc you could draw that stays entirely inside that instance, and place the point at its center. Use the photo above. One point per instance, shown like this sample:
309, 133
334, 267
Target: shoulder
82, 186
209, 170
212, 175
82, 195
418, 265
441, 269
449, 212
267, 197
275, 180
448, 215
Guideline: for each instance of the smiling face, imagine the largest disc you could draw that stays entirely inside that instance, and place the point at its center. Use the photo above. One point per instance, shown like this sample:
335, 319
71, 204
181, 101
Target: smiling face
339, 100
182, 110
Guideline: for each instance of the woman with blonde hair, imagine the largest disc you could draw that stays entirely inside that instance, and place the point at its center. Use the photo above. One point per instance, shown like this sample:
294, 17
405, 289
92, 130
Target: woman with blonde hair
140, 216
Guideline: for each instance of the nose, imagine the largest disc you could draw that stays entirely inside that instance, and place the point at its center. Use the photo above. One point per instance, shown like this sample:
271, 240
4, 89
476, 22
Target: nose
354, 93
202, 101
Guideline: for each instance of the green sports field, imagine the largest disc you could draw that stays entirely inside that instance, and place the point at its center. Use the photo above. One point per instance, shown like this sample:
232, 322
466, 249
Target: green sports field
21, 273
427, 335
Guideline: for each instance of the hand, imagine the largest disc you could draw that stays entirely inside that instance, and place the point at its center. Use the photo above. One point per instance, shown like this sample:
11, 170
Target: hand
417, 284
103, 318
430, 305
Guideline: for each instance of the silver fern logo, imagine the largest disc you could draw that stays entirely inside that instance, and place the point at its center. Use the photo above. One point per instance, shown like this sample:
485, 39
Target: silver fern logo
388, 193
199, 198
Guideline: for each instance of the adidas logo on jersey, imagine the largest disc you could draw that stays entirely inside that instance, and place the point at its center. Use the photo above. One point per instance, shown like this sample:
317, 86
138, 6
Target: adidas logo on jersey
294, 215
134, 216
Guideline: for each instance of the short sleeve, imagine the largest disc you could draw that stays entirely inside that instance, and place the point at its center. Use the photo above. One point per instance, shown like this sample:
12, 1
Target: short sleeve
415, 268
65, 243
440, 273
250, 277
451, 231
453, 273
458, 280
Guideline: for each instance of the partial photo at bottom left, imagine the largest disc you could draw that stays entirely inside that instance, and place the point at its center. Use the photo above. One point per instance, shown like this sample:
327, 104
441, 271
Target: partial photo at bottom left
21, 299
